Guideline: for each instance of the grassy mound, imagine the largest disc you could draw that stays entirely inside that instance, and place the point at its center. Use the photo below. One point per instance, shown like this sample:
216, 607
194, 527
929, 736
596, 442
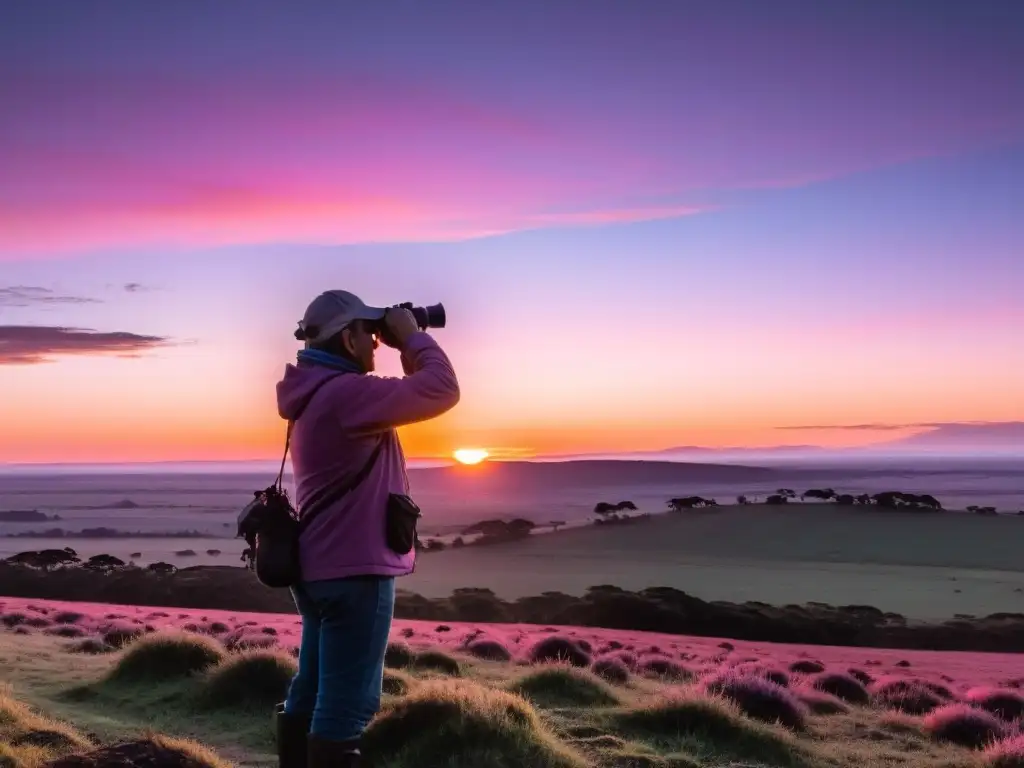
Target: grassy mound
964, 725
905, 695
1008, 753
437, 661
65, 630
89, 645
666, 669
843, 687
563, 685
757, 669
28, 738
489, 650
807, 667
557, 648
248, 680
119, 635
710, 723
399, 656
1006, 703
821, 703
464, 725
612, 670
165, 656
760, 698
153, 751
396, 683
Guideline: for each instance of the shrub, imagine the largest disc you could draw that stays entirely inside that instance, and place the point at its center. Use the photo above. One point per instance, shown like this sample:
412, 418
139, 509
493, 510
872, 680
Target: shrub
457, 723
807, 667
11, 620
37, 622
1008, 753
665, 668
841, 686
707, 719
563, 685
908, 696
398, 655
437, 661
612, 670
247, 639
759, 698
251, 679
557, 648
964, 725
165, 656
1002, 702
490, 650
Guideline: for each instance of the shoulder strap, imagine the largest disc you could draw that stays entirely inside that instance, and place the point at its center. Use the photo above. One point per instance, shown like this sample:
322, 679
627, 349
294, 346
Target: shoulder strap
288, 435
329, 495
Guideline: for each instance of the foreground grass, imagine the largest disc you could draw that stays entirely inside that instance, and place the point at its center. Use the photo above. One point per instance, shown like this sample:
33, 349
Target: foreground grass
453, 712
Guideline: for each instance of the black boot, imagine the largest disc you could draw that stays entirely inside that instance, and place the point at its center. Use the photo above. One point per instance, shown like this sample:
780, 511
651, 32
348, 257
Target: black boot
292, 732
334, 754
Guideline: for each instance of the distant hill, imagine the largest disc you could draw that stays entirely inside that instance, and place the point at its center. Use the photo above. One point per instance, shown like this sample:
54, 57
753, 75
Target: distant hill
517, 475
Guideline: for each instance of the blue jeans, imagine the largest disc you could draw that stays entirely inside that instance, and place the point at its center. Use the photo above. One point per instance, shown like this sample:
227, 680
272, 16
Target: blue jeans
345, 626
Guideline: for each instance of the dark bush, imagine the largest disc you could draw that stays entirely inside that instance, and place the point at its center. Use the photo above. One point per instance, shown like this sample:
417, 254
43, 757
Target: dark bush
559, 648
964, 725
842, 687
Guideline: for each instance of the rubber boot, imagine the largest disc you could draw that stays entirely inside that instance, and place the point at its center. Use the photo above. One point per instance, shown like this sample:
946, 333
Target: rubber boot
292, 734
333, 754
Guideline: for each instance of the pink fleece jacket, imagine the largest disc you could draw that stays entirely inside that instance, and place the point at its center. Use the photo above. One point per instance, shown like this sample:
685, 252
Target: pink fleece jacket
334, 437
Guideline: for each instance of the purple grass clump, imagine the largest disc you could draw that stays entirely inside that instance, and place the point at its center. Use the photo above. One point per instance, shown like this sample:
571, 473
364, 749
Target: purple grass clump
118, 634
1008, 753
759, 698
758, 669
821, 703
964, 725
68, 617
559, 648
612, 670
627, 658
11, 620
490, 650
37, 622
861, 675
65, 630
398, 655
938, 689
246, 639
906, 695
842, 687
1005, 703
807, 667
659, 666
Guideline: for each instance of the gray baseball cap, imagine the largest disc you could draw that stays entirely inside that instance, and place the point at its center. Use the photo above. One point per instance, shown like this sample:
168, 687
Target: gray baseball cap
332, 311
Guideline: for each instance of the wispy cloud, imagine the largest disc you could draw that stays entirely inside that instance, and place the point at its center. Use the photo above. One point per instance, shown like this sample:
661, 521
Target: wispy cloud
888, 427
30, 295
34, 344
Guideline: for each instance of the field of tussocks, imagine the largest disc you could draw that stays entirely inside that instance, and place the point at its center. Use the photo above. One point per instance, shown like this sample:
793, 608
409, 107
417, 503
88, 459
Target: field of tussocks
86, 682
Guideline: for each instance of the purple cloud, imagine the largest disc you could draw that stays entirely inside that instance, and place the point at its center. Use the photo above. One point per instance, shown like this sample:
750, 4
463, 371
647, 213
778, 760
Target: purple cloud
34, 344
29, 295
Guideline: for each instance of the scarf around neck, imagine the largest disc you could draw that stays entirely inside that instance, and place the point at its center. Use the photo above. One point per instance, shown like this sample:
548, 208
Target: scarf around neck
327, 360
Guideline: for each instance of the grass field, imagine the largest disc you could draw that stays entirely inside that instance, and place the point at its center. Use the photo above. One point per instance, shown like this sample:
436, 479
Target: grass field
481, 695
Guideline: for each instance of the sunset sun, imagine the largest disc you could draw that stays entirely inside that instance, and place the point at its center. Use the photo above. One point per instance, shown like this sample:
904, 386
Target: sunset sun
470, 455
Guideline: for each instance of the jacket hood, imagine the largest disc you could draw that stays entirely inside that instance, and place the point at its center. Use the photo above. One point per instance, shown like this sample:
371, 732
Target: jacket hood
297, 386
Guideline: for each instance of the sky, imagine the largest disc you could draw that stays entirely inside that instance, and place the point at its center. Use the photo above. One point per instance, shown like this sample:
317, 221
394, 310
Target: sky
651, 224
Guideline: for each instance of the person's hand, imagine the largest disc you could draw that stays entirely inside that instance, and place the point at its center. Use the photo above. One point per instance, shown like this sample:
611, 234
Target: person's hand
401, 325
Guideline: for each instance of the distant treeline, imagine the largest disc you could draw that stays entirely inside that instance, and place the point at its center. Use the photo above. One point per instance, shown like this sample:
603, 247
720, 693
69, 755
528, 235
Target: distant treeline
658, 609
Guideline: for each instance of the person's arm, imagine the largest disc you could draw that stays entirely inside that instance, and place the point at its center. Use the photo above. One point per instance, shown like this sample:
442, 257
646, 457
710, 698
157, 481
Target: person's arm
429, 389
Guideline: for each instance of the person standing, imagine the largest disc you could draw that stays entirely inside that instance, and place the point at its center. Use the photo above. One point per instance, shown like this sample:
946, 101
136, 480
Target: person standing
344, 427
